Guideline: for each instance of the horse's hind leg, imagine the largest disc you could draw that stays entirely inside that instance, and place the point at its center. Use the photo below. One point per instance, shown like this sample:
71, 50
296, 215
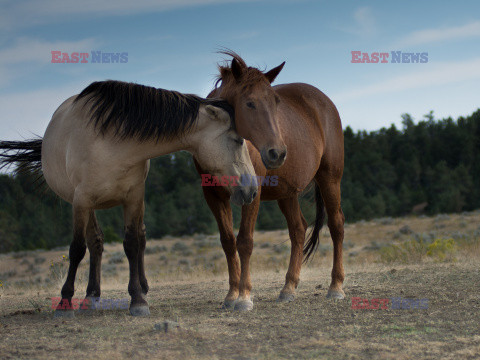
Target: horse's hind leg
77, 252
134, 230
330, 191
142, 241
297, 226
95, 247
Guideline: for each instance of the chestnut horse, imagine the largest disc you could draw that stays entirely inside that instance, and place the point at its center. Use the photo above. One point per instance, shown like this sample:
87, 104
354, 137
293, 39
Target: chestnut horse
96, 154
308, 123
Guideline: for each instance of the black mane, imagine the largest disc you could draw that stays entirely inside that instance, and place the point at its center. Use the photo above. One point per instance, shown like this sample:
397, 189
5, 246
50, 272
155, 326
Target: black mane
144, 112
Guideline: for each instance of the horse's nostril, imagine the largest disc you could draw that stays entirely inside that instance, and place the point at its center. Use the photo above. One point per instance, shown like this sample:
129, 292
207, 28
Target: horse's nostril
254, 195
273, 154
274, 157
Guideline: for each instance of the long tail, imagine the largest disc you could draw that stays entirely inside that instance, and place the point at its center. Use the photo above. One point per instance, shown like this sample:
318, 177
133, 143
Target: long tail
312, 242
26, 155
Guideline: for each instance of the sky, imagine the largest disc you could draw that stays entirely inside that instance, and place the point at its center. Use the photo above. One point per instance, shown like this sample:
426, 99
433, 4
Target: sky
173, 44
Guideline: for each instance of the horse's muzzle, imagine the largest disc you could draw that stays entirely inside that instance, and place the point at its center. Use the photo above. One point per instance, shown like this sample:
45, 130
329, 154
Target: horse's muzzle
244, 195
273, 158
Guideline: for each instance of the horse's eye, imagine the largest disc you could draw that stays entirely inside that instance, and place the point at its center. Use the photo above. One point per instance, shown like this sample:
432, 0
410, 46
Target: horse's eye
277, 99
239, 141
251, 105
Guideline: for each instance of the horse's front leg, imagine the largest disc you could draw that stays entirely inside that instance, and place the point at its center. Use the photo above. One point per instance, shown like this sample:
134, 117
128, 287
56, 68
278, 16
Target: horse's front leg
220, 207
134, 241
245, 247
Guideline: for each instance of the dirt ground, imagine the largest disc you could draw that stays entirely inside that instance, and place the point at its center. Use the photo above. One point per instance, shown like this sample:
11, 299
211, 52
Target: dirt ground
190, 293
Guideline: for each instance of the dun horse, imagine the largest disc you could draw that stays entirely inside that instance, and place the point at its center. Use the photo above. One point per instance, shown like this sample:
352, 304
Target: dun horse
95, 154
308, 123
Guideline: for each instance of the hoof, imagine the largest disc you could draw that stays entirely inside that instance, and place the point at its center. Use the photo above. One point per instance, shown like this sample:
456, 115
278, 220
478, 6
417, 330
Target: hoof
243, 305
228, 304
89, 307
335, 294
65, 314
140, 310
285, 298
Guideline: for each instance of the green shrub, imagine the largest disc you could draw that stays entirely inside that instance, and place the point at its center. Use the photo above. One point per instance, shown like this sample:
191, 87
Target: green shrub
110, 236
58, 269
180, 247
442, 249
412, 250
416, 249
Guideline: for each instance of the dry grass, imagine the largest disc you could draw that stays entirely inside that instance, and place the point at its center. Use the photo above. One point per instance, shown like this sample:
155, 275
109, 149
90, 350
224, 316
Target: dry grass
188, 283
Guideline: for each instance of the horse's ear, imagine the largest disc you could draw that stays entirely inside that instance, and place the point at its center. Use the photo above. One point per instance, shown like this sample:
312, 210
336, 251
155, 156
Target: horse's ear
272, 74
217, 113
236, 69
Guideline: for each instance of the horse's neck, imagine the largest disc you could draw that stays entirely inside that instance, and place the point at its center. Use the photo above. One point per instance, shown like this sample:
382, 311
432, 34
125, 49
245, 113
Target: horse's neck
189, 141
145, 150
151, 149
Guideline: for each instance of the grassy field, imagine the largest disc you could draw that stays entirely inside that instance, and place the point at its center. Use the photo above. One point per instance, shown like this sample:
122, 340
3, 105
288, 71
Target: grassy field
434, 258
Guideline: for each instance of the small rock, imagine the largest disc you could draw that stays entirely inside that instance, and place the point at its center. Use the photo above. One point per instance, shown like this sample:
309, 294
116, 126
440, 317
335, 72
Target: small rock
318, 286
167, 326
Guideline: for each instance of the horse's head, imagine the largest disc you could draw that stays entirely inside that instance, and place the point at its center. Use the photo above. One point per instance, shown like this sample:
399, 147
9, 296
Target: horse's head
250, 92
223, 154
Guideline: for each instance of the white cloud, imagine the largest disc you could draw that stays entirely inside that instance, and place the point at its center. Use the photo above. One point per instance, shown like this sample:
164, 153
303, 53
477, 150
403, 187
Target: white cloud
365, 20
363, 24
27, 113
28, 50
36, 50
422, 76
35, 12
429, 36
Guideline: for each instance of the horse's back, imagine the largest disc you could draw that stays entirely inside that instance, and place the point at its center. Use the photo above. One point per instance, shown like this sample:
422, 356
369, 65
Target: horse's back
312, 102
319, 118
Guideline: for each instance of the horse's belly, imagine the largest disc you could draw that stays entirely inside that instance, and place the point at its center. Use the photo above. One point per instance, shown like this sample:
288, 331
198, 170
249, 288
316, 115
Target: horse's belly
108, 190
283, 188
